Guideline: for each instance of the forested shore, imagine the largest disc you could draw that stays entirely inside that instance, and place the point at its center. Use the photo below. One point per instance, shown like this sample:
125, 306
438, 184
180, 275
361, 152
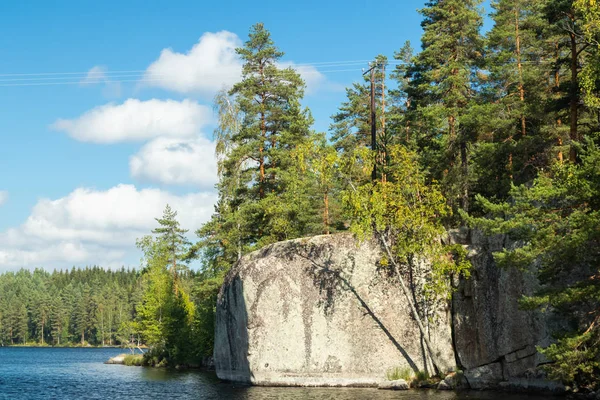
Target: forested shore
497, 131
155, 306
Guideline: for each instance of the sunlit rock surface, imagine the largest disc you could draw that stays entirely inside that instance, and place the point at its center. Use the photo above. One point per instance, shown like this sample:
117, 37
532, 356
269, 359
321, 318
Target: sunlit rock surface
323, 312
319, 312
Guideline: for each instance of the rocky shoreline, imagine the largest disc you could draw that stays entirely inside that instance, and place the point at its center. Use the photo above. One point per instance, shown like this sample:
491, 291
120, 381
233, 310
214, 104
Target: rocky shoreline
120, 360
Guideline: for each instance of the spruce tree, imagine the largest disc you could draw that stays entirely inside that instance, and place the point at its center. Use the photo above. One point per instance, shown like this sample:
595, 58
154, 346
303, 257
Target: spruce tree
172, 237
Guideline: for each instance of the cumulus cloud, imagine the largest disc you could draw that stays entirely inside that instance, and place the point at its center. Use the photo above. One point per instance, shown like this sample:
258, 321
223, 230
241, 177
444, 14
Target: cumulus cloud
176, 162
210, 65
95, 227
3, 197
136, 120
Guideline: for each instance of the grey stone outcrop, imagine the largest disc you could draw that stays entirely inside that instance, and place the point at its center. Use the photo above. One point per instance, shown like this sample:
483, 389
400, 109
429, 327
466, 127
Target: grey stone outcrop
319, 312
494, 339
399, 384
322, 312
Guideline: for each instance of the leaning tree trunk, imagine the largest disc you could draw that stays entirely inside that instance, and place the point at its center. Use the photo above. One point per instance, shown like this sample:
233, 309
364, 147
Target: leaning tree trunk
413, 308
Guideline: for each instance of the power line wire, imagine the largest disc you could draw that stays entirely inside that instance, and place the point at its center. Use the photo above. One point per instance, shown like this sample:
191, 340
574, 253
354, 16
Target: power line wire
108, 72
141, 80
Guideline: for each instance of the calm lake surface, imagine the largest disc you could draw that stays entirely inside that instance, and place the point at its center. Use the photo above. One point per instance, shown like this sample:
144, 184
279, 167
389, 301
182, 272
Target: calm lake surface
47, 373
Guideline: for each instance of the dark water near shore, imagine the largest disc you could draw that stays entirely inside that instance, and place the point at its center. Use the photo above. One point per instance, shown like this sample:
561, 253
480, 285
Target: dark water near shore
46, 373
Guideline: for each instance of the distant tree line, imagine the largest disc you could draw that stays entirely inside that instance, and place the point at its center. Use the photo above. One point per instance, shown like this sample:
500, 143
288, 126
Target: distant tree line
76, 307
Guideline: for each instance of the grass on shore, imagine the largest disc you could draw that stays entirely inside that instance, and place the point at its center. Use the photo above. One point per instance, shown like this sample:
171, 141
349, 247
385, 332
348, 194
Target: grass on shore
133, 360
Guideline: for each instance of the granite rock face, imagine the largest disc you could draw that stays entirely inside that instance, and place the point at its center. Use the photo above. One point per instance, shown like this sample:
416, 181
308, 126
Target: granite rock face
322, 312
319, 312
494, 340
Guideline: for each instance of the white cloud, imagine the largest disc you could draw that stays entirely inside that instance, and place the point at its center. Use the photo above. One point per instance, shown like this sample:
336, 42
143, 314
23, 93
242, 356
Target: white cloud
210, 65
95, 227
136, 120
3, 197
176, 162
99, 75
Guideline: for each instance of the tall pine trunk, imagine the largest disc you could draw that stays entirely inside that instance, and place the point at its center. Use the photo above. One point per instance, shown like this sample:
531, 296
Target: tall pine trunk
520, 71
574, 100
263, 133
464, 162
326, 213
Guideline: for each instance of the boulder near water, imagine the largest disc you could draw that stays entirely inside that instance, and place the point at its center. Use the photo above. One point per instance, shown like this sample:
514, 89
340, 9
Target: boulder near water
323, 311
120, 359
319, 312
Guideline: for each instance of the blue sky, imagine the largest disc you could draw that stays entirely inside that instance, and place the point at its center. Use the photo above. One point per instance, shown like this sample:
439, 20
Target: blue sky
80, 161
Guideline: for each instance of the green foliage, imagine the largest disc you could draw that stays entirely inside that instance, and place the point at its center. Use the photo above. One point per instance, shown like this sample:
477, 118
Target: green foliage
165, 313
316, 169
443, 88
590, 75
205, 297
261, 122
396, 373
404, 215
556, 221
133, 360
422, 376
407, 214
576, 359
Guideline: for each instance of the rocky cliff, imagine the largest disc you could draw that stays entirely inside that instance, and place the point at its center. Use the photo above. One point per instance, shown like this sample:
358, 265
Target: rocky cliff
495, 341
321, 312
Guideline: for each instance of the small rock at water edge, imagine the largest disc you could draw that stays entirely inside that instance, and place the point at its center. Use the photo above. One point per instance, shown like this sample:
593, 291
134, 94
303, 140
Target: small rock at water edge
399, 384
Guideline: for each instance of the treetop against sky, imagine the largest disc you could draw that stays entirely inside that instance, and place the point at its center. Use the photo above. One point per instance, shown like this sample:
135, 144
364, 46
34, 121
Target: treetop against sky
107, 112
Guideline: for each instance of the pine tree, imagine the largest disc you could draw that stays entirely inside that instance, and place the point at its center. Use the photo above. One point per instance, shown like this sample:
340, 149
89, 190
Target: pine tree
41, 312
157, 286
442, 80
261, 121
512, 143
556, 221
20, 320
83, 313
590, 74
401, 120
57, 317
574, 50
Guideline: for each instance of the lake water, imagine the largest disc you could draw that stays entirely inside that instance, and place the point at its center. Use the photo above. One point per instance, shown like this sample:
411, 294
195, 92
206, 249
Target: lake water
47, 373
